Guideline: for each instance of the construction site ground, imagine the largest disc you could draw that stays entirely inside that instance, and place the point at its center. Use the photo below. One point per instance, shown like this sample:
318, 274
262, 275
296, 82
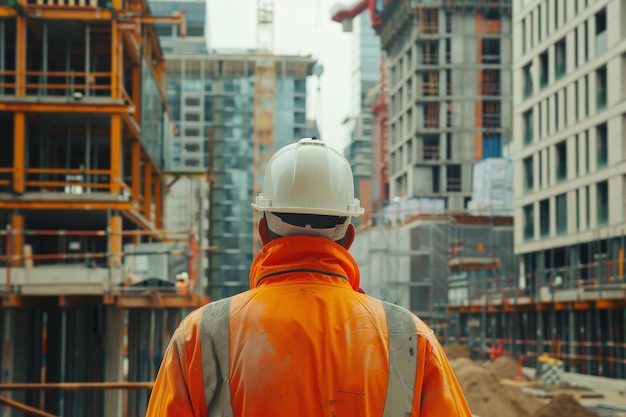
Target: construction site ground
501, 388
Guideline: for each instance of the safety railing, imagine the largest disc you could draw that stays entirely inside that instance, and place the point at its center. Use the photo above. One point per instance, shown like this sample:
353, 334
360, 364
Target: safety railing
80, 3
430, 59
68, 83
430, 153
68, 181
7, 82
92, 248
5, 176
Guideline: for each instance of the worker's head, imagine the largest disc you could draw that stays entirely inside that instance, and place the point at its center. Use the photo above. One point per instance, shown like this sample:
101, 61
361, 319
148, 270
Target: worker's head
308, 190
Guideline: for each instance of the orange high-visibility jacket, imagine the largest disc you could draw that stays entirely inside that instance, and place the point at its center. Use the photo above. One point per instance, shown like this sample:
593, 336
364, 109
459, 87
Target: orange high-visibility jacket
303, 342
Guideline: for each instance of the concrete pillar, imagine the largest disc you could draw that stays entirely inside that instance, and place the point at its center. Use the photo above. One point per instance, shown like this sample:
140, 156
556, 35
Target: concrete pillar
7, 355
114, 355
21, 341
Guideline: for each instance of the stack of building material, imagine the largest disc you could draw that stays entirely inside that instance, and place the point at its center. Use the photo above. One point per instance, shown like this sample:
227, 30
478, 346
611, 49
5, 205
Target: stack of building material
492, 187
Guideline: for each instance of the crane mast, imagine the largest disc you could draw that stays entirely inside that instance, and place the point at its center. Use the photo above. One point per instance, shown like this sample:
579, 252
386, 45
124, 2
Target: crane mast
264, 92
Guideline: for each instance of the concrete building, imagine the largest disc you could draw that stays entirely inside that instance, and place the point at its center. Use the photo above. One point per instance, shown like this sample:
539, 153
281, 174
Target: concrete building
365, 59
186, 159
83, 121
212, 97
449, 93
570, 80
195, 39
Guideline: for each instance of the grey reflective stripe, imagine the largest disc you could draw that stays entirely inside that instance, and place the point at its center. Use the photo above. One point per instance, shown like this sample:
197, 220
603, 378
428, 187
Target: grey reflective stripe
402, 361
214, 341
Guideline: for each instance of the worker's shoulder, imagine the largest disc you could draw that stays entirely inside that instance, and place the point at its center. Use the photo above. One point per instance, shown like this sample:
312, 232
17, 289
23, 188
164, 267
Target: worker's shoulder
211, 313
404, 319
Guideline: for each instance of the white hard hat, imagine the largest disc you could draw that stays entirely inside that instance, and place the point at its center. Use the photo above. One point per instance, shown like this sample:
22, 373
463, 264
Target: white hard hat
308, 177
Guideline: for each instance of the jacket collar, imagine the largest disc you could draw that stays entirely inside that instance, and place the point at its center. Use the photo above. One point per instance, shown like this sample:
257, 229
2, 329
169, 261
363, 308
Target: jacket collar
313, 254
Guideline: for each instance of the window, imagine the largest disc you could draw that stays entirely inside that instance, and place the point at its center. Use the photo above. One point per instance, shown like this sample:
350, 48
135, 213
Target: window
543, 69
575, 47
586, 151
192, 131
559, 59
524, 36
192, 101
557, 114
577, 209
576, 107
602, 145
528, 127
544, 218
192, 117
539, 26
587, 207
491, 51
601, 41
540, 170
586, 94
192, 147
453, 173
539, 119
561, 161
602, 190
192, 163
528, 174
601, 88
561, 214
565, 107
577, 155
556, 14
529, 222
528, 80
585, 41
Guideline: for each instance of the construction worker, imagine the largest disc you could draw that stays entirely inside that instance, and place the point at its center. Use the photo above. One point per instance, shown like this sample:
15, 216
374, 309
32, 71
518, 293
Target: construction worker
303, 341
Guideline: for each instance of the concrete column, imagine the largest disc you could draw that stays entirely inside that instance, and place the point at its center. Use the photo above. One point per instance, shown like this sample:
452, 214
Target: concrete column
8, 360
21, 341
114, 355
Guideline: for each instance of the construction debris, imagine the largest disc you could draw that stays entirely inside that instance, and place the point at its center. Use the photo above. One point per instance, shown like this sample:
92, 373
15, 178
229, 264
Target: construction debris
486, 396
563, 405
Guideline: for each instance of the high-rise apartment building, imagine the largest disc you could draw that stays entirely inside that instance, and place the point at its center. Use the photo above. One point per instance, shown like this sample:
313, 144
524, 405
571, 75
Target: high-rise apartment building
185, 160
212, 97
449, 93
570, 107
365, 59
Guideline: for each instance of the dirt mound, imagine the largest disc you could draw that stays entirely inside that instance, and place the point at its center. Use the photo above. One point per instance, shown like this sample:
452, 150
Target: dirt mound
563, 405
486, 396
504, 367
456, 351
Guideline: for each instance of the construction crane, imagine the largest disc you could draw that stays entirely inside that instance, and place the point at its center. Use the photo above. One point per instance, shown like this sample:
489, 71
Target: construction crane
264, 92
345, 15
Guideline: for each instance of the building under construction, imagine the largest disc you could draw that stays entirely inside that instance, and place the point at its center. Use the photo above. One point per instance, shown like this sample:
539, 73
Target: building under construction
563, 292
83, 118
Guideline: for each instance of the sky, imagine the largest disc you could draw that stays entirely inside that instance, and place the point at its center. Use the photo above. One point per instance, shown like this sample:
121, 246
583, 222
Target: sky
300, 27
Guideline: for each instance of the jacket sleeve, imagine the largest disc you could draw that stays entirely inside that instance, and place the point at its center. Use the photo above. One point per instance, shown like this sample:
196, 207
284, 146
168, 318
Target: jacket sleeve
179, 389
440, 393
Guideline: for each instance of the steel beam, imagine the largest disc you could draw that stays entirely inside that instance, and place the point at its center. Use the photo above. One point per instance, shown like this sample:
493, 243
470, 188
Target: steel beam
64, 205
38, 107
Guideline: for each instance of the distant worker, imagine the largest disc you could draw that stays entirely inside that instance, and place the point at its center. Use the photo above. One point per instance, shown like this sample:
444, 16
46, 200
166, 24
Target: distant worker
303, 341
182, 283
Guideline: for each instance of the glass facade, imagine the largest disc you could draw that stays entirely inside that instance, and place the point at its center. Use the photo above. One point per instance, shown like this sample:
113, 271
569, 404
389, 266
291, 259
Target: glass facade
365, 76
207, 101
152, 115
